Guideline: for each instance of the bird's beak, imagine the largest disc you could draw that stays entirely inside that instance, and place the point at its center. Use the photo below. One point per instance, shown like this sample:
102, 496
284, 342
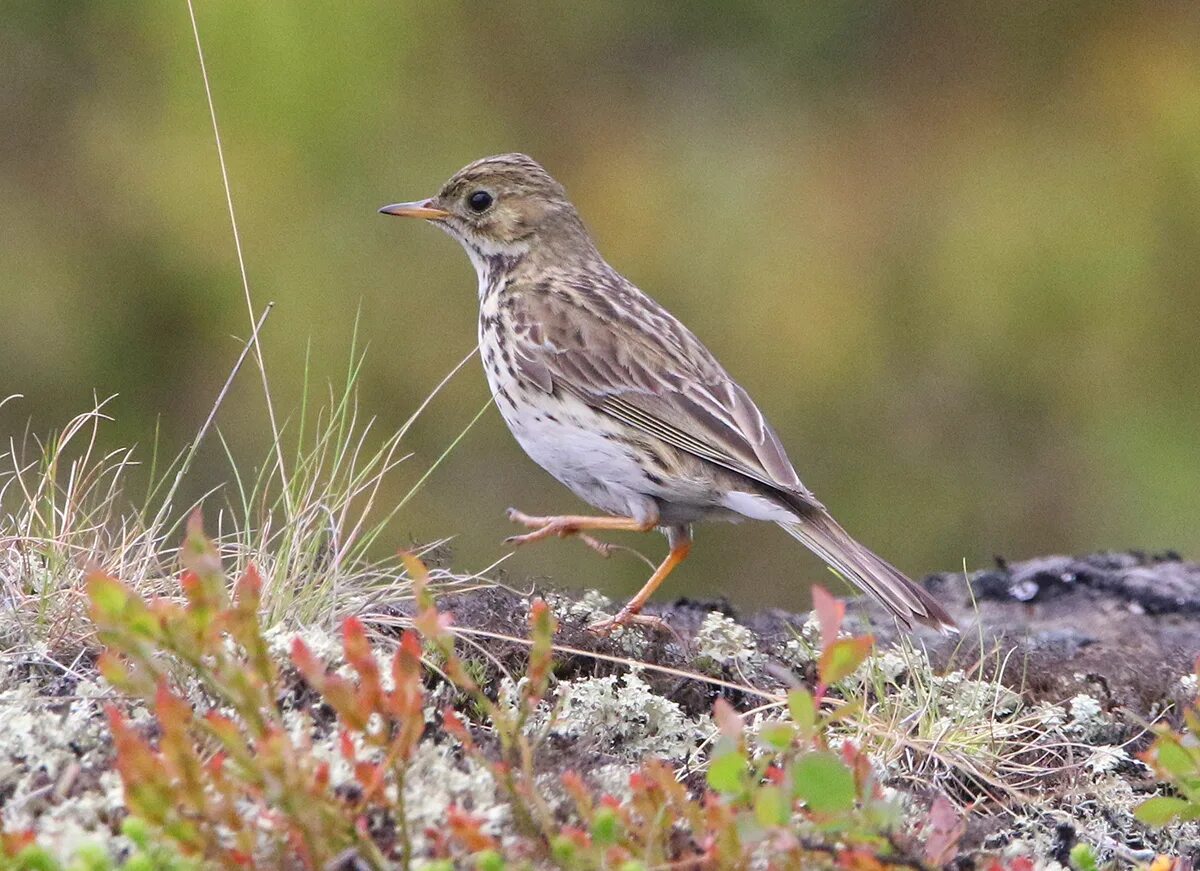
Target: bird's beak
417, 209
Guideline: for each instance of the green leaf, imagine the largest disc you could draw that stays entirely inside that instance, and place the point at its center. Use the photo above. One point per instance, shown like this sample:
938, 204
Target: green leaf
605, 826
37, 858
841, 658
489, 860
803, 709
1084, 858
778, 736
1175, 759
1160, 810
108, 596
771, 808
727, 771
824, 783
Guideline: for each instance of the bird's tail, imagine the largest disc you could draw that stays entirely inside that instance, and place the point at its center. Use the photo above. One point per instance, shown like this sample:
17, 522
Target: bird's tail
909, 602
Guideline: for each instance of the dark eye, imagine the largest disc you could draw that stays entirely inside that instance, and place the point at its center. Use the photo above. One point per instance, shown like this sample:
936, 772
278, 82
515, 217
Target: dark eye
479, 201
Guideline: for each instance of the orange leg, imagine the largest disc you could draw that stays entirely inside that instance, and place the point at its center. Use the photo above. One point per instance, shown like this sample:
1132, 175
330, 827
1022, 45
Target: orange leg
573, 524
680, 546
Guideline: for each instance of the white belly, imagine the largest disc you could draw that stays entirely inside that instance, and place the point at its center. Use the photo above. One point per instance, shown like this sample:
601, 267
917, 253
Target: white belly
598, 470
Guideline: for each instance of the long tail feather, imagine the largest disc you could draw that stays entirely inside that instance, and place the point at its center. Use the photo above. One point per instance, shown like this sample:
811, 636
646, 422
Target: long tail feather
909, 602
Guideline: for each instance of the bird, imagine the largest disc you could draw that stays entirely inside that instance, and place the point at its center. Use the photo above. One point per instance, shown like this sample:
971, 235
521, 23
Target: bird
619, 401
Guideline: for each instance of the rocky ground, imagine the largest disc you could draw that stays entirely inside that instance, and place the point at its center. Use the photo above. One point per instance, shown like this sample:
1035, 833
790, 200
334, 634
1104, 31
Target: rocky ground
1061, 665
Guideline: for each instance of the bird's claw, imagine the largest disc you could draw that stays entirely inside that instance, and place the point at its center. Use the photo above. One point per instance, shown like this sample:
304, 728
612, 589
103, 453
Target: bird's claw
601, 547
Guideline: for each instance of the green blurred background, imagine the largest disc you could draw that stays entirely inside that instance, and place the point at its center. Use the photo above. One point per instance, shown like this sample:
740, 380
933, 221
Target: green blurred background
952, 249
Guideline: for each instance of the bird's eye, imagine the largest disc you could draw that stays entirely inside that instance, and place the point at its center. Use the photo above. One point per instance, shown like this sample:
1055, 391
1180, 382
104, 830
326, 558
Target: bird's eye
479, 201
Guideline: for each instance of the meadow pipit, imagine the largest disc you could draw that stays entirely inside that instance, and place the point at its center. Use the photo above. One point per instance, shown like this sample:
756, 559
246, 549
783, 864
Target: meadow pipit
615, 398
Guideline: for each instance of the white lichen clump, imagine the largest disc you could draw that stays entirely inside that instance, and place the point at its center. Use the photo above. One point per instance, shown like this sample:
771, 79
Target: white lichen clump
1107, 758
1190, 684
622, 716
805, 648
722, 642
1087, 719
55, 763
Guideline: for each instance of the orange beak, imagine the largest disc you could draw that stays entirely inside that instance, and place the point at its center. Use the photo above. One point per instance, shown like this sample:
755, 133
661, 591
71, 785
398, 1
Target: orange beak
418, 209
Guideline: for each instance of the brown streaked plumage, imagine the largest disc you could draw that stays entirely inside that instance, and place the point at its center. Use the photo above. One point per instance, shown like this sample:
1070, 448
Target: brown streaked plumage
616, 398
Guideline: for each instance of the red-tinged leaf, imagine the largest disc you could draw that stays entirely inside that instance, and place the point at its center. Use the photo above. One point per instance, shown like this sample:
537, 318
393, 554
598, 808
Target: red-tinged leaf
321, 775
576, 835
173, 712
454, 726
542, 626
728, 721
354, 640
248, 591
12, 843
944, 828
572, 781
369, 776
224, 730
307, 664
840, 659
190, 583
859, 859
577, 789
432, 623
358, 653
468, 829
198, 553
407, 696
830, 613
113, 670
1022, 863
346, 747
341, 696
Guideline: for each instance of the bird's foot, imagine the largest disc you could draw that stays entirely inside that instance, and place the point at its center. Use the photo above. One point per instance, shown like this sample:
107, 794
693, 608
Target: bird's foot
543, 527
563, 527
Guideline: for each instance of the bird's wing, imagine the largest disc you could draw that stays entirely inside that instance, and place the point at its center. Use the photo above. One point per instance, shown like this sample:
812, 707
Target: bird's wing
619, 351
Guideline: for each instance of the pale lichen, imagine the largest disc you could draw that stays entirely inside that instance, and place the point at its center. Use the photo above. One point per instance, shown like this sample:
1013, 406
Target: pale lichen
723, 643
621, 716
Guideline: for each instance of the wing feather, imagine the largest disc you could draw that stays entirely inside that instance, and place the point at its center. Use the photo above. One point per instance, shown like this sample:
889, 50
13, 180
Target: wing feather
638, 364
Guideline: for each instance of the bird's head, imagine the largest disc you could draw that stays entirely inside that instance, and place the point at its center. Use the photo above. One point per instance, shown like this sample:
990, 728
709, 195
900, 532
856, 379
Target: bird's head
498, 206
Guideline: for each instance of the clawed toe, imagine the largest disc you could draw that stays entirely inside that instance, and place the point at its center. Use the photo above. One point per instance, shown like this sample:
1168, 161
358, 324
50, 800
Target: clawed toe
518, 516
601, 547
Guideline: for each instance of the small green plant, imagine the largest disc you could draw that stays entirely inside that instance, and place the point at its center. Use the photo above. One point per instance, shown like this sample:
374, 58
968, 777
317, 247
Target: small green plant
19, 852
221, 776
1175, 757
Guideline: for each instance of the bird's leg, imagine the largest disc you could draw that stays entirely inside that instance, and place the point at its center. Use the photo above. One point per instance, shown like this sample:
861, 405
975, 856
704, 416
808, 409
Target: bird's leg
574, 524
680, 541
